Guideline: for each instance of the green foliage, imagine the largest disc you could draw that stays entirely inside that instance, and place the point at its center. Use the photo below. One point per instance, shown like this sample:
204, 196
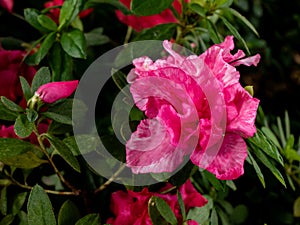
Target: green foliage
145, 8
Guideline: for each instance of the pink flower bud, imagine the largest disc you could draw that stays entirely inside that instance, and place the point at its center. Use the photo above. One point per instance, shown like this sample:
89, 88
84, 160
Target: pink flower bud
54, 91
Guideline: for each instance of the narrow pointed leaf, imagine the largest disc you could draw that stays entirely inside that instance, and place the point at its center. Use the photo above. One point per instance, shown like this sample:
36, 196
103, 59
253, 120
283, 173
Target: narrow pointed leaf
26, 88
90, 219
42, 76
11, 105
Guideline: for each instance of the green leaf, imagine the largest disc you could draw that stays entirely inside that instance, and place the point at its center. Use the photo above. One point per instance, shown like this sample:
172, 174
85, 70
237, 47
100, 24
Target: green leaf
6, 114
214, 217
181, 205
18, 202
223, 3
46, 22
26, 88
60, 63
31, 16
22, 216
201, 214
160, 32
3, 201
64, 151
164, 209
145, 7
292, 155
96, 37
37, 57
235, 33
268, 163
116, 3
58, 118
244, 20
90, 142
23, 128
73, 43
155, 216
260, 141
239, 214
269, 134
296, 207
69, 11
42, 76
32, 115
27, 160
212, 31
90, 219
257, 169
68, 213
198, 9
39, 208
10, 105
8, 219
216, 183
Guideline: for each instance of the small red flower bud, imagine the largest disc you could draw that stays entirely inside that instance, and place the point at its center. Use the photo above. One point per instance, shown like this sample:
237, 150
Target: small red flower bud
54, 91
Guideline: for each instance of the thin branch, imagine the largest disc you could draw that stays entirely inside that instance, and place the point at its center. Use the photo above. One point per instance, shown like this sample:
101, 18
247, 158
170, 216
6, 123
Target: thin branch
111, 179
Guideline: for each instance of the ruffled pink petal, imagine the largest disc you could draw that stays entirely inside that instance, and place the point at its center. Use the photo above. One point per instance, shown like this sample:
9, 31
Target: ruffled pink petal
192, 222
249, 61
229, 162
149, 149
54, 91
241, 111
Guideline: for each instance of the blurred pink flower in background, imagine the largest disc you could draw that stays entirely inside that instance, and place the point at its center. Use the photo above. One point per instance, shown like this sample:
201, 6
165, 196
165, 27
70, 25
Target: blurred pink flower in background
11, 68
7, 4
143, 22
168, 91
131, 208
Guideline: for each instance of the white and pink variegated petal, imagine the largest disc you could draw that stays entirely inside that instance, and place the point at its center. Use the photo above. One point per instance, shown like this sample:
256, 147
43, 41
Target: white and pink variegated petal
249, 61
178, 59
228, 164
241, 111
149, 150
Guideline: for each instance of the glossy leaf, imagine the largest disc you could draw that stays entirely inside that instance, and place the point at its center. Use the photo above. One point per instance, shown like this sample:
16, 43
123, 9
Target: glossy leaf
68, 213
145, 7
46, 22
212, 31
64, 151
154, 214
269, 134
164, 209
73, 43
69, 11
25, 88
198, 9
216, 183
181, 205
31, 16
90, 219
42, 76
32, 115
27, 160
39, 208
23, 127
61, 63
12, 147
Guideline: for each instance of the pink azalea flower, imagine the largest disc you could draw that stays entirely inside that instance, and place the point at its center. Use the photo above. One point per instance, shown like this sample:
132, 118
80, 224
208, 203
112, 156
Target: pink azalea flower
54, 13
142, 22
11, 67
54, 91
7, 4
131, 208
182, 120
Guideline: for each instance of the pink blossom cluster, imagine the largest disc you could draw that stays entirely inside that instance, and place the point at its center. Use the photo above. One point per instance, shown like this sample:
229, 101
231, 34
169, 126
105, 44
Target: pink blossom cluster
177, 109
131, 208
